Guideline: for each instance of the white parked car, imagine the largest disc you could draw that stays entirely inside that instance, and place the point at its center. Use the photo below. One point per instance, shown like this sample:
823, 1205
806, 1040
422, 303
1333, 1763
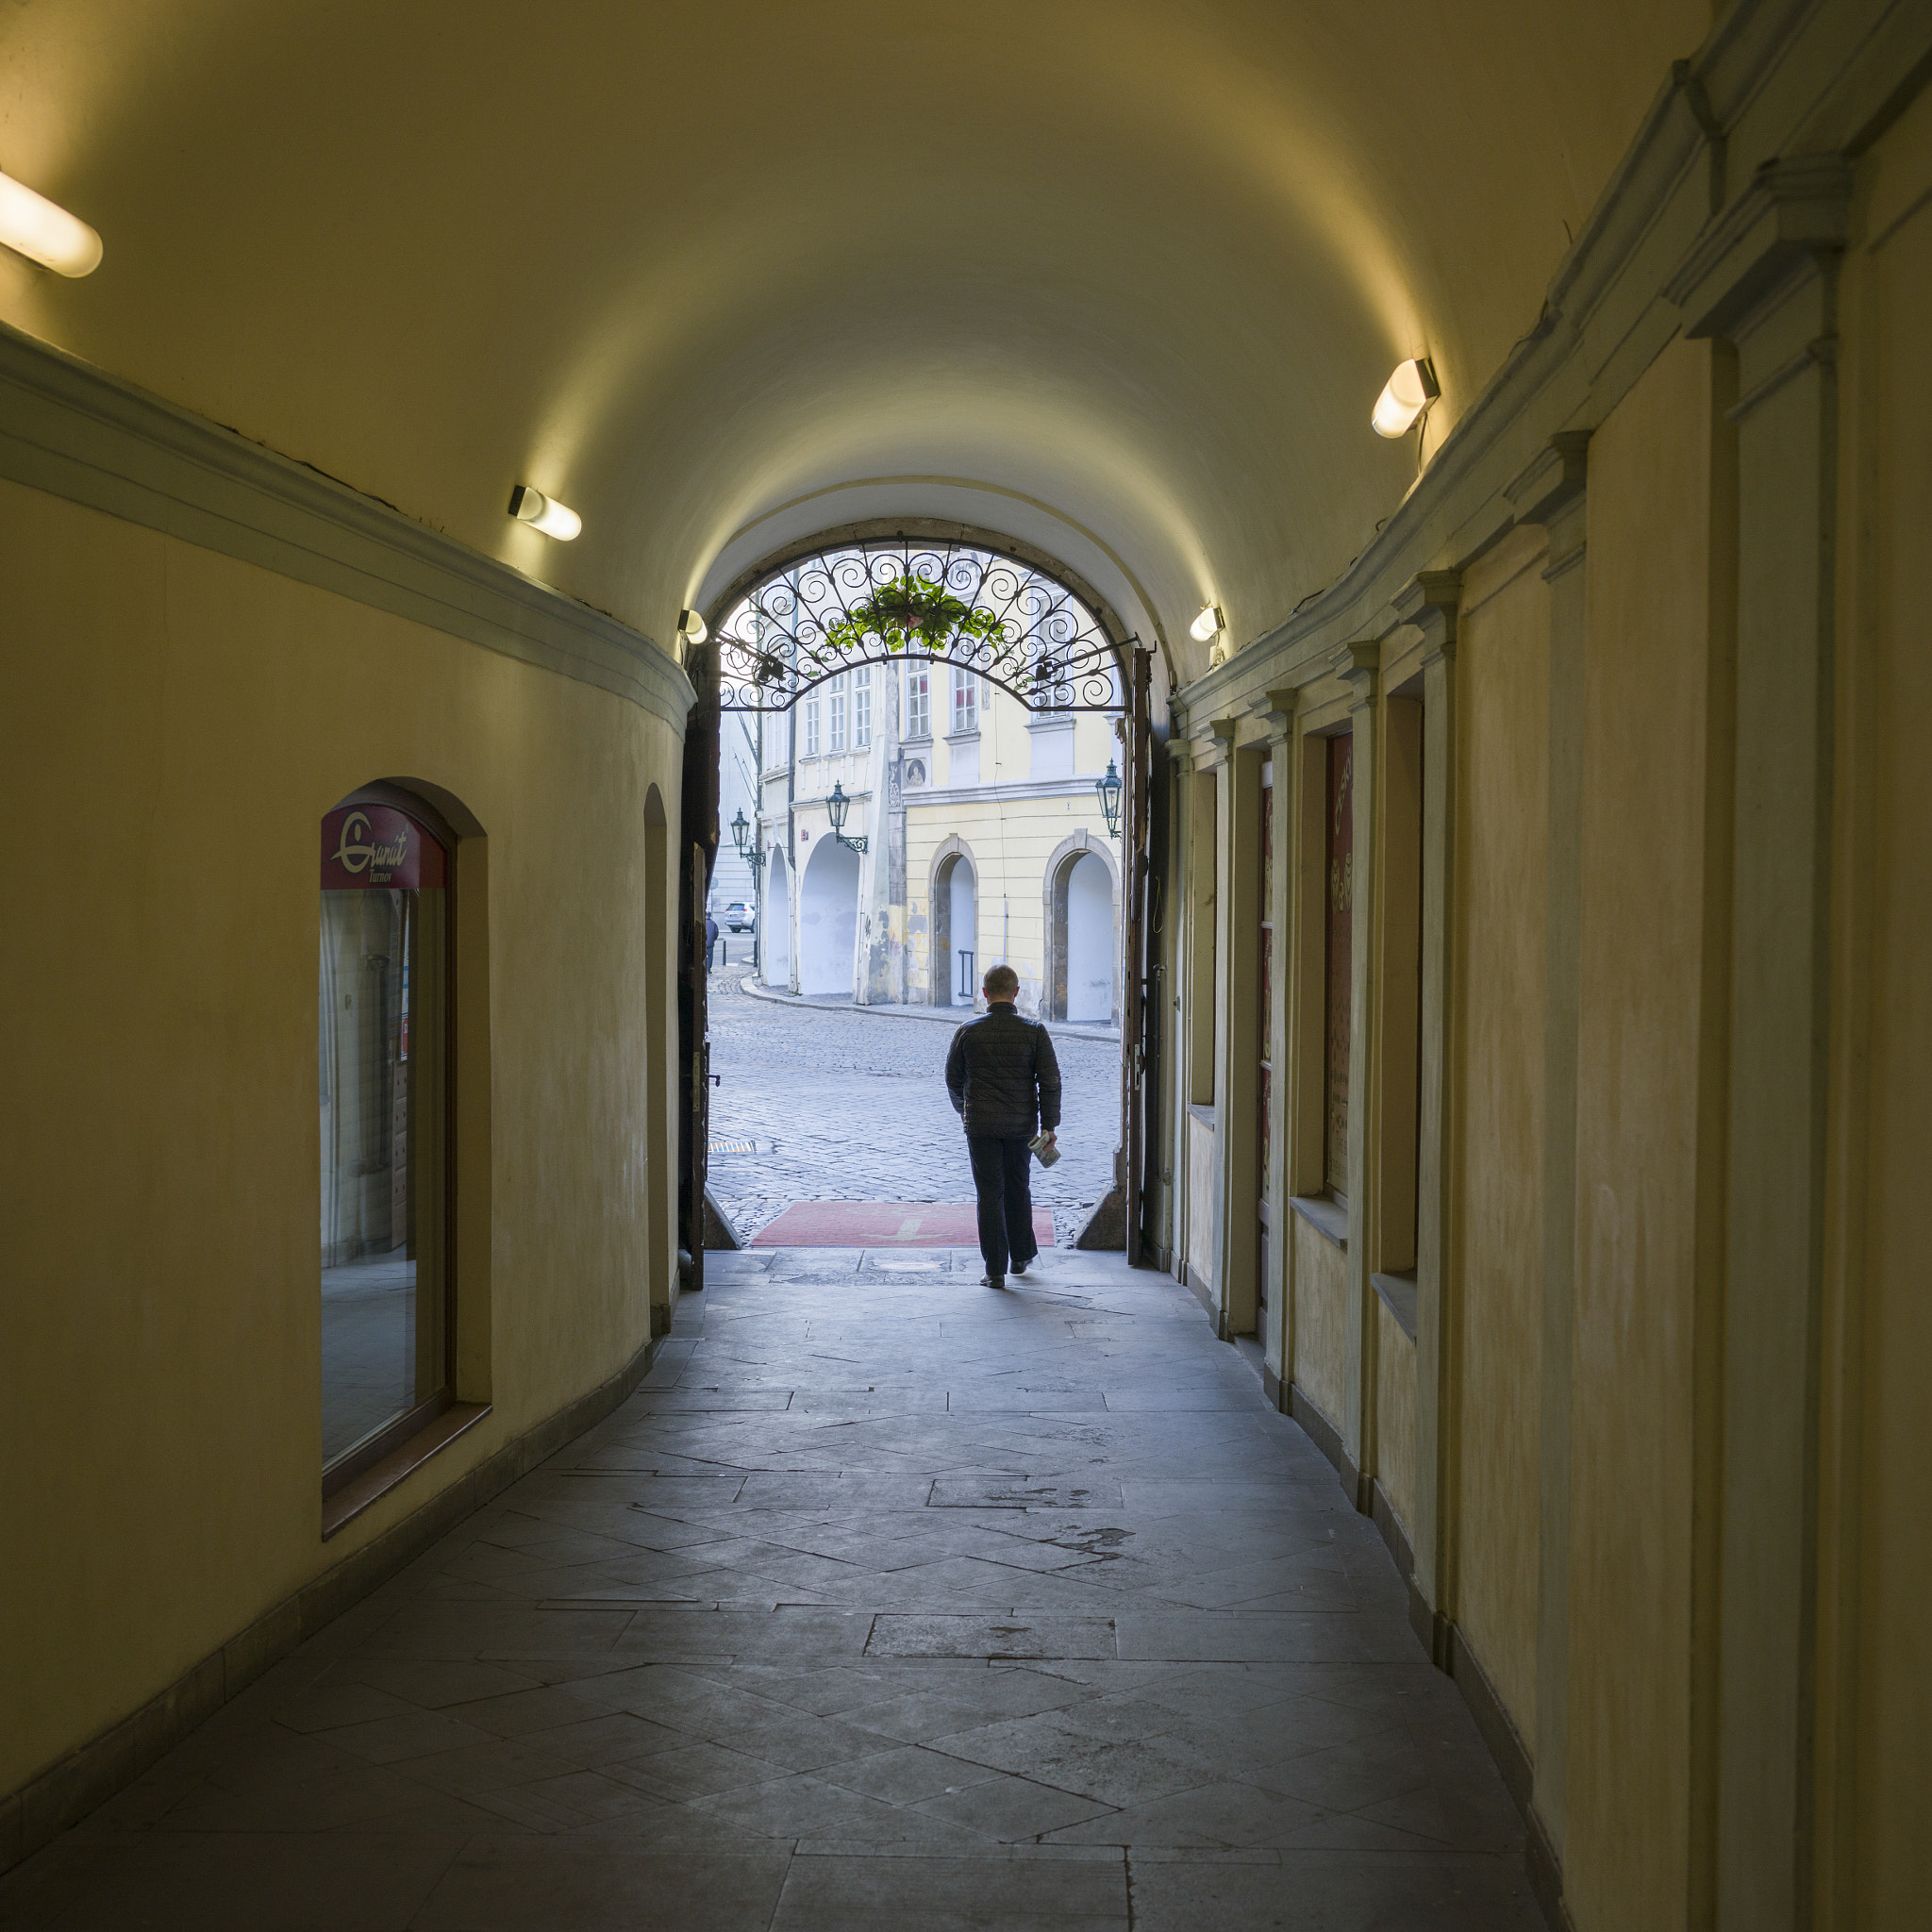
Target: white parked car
737, 917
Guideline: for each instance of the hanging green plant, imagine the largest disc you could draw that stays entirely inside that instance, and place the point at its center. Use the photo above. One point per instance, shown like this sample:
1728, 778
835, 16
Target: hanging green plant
912, 613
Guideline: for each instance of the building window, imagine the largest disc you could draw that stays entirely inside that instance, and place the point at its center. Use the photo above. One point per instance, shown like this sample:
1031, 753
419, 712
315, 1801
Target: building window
811, 727
965, 700
835, 709
383, 1065
861, 707
918, 701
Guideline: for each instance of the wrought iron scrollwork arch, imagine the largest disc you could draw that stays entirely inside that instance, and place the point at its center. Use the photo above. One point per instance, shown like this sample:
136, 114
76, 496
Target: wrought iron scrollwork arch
888, 601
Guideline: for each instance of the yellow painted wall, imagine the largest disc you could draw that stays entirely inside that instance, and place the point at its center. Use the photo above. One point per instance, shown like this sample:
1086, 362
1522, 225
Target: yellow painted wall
1010, 843
1321, 1325
175, 725
1502, 780
1648, 629
1395, 1414
1879, 1260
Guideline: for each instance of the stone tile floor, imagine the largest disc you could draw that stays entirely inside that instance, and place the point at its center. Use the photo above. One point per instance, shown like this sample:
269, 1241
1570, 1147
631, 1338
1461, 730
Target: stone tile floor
887, 1602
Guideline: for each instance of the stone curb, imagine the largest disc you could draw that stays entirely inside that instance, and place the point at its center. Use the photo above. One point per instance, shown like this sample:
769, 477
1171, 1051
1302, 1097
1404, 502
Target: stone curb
942, 1015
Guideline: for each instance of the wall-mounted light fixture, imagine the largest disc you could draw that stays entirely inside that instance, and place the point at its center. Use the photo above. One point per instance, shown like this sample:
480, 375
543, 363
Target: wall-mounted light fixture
544, 512
1109, 790
33, 225
1405, 396
693, 626
1209, 624
837, 806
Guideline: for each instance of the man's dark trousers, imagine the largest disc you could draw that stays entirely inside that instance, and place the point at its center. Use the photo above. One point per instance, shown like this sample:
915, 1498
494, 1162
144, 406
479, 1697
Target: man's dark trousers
1001, 1177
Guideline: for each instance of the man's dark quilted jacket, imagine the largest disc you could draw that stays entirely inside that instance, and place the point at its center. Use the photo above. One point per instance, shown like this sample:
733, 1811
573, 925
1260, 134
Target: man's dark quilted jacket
1002, 1075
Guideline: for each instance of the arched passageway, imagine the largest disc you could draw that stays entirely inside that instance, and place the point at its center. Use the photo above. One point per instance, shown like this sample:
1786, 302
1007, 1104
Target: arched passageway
774, 934
827, 918
1089, 887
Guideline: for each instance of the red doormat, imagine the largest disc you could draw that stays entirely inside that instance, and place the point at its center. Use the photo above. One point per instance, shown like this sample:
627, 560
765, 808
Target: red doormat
885, 1225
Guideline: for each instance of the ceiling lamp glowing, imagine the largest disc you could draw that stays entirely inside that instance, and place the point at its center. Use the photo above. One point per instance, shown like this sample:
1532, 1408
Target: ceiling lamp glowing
693, 626
1209, 624
553, 518
1405, 396
33, 227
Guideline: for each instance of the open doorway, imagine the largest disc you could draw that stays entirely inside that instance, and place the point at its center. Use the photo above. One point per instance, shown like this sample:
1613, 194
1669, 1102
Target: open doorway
899, 848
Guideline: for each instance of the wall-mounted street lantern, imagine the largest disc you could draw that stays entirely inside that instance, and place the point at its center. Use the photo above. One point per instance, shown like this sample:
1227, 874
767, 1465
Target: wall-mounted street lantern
1109, 790
837, 806
747, 846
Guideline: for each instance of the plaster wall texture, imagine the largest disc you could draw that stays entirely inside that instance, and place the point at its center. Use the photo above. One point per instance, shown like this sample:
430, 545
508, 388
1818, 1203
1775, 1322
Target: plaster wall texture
1321, 1325
1395, 1414
1885, 938
1640, 1082
178, 724
1011, 844
1503, 673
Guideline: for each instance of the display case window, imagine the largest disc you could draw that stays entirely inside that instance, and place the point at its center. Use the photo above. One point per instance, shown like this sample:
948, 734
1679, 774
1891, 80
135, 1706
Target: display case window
384, 1061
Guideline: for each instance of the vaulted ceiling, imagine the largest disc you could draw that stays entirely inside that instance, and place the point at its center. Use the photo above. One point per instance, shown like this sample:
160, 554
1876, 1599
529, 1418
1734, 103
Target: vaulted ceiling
1121, 278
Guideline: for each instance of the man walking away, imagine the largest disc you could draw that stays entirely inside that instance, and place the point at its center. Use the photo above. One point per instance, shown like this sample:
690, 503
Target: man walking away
710, 939
1005, 1083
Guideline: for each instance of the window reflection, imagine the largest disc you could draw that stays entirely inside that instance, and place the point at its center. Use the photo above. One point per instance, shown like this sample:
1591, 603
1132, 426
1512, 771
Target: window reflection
381, 1038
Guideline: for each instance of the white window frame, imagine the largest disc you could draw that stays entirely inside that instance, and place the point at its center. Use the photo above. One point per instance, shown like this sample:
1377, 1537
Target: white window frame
918, 701
861, 707
811, 728
834, 713
965, 701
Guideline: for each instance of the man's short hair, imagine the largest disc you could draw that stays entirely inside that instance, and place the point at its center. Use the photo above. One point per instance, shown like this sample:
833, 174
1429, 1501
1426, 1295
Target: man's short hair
1001, 982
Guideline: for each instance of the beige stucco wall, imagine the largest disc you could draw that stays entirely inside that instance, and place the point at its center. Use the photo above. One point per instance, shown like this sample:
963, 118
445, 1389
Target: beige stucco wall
1878, 1257
1395, 1414
175, 725
1644, 774
1321, 1323
1502, 766
1010, 843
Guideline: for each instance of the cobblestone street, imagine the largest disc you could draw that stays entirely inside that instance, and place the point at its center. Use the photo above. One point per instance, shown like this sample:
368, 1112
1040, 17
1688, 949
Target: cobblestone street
847, 1105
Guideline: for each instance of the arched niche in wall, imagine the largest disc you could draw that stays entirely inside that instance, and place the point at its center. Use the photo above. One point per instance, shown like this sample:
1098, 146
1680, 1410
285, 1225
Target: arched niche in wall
953, 896
827, 918
1081, 920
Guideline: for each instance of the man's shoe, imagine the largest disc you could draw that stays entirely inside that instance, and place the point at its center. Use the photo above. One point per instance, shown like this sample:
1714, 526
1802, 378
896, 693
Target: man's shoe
992, 1281
1020, 1267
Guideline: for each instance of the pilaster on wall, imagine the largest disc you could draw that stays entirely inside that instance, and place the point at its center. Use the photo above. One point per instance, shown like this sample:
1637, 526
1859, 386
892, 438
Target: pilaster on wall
1430, 602
1765, 279
1359, 665
1277, 714
1550, 492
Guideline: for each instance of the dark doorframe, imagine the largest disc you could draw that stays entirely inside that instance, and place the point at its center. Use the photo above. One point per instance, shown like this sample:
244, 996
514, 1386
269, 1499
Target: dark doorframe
698, 858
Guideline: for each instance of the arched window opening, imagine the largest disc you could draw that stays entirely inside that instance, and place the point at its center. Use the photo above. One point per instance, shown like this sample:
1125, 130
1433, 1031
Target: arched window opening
388, 1335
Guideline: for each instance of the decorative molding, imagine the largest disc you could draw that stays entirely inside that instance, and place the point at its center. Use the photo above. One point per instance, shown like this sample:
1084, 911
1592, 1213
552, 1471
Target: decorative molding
80, 434
1794, 210
1553, 481
1430, 601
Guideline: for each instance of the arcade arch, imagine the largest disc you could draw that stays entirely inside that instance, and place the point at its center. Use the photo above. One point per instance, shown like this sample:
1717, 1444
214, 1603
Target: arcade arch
1082, 920
827, 919
953, 898
775, 924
